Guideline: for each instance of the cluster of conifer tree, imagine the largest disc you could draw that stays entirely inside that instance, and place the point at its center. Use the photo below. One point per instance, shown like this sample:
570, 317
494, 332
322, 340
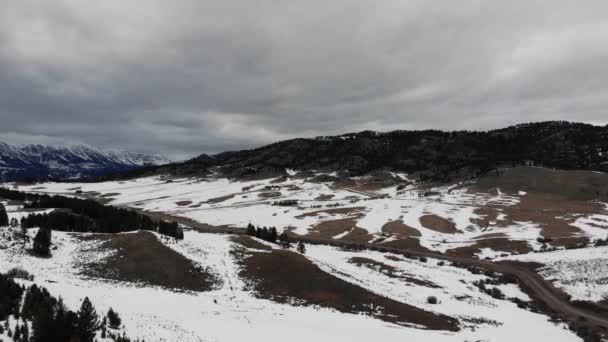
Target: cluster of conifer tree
81, 215
3, 216
51, 320
268, 234
170, 228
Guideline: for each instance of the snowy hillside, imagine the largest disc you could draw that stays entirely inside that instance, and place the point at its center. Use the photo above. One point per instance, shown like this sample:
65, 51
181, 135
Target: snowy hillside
454, 219
35, 161
233, 312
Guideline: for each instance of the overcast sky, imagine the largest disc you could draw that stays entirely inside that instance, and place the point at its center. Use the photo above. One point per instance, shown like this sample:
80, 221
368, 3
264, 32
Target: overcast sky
185, 77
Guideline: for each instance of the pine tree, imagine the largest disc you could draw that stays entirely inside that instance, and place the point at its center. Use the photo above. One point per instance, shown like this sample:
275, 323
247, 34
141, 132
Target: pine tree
42, 242
179, 235
113, 319
284, 239
301, 247
24, 235
3, 216
250, 230
273, 235
88, 321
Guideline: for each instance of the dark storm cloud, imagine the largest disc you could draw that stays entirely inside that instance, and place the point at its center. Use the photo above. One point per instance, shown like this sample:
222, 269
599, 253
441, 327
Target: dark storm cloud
186, 77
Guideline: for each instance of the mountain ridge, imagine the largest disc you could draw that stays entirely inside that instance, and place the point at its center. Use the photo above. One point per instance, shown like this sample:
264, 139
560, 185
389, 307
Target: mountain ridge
61, 162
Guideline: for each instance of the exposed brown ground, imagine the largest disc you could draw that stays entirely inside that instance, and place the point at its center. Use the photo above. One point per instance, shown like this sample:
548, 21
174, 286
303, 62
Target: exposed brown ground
490, 235
249, 242
486, 214
399, 228
249, 187
334, 211
278, 180
324, 197
110, 194
357, 235
331, 228
554, 214
284, 276
220, 199
498, 244
269, 194
438, 223
142, 258
390, 271
553, 200
409, 243
183, 203
576, 185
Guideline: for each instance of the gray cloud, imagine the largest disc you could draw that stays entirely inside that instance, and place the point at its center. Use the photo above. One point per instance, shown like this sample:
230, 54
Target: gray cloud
186, 77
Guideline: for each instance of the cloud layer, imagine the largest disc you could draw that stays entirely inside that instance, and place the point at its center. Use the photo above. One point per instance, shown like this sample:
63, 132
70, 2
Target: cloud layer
186, 77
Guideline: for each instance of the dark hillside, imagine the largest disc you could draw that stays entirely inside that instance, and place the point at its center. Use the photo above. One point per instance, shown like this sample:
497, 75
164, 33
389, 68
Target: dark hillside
429, 154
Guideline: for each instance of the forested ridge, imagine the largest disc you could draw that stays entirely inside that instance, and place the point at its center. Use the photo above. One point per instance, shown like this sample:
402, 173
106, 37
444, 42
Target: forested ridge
429, 154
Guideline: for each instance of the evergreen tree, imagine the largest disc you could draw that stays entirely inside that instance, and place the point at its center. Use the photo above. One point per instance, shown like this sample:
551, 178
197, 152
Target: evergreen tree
3, 216
301, 247
88, 321
273, 235
284, 239
250, 230
179, 235
42, 242
114, 320
24, 236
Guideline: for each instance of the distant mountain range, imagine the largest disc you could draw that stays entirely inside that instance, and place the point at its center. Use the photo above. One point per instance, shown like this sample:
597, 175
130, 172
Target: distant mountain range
428, 155
79, 161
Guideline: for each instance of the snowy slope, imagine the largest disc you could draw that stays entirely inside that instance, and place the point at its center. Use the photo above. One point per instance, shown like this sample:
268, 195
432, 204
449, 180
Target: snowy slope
582, 273
220, 201
234, 314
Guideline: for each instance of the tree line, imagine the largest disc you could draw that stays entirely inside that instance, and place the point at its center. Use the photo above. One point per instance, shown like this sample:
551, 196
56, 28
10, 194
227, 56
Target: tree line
270, 235
51, 320
83, 215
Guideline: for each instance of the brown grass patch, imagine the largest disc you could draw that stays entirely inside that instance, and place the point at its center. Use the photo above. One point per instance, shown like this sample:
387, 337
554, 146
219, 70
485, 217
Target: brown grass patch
142, 258
269, 194
324, 197
281, 179
249, 187
284, 277
249, 242
575, 185
331, 228
110, 194
183, 203
357, 235
554, 214
491, 236
499, 244
408, 243
400, 228
220, 199
438, 223
487, 214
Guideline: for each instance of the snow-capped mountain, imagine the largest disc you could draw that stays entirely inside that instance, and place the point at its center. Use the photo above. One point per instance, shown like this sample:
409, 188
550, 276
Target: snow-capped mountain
79, 161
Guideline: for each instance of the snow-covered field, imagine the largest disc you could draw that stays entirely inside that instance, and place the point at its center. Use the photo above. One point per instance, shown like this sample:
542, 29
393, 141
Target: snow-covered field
219, 201
582, 273
232, 313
